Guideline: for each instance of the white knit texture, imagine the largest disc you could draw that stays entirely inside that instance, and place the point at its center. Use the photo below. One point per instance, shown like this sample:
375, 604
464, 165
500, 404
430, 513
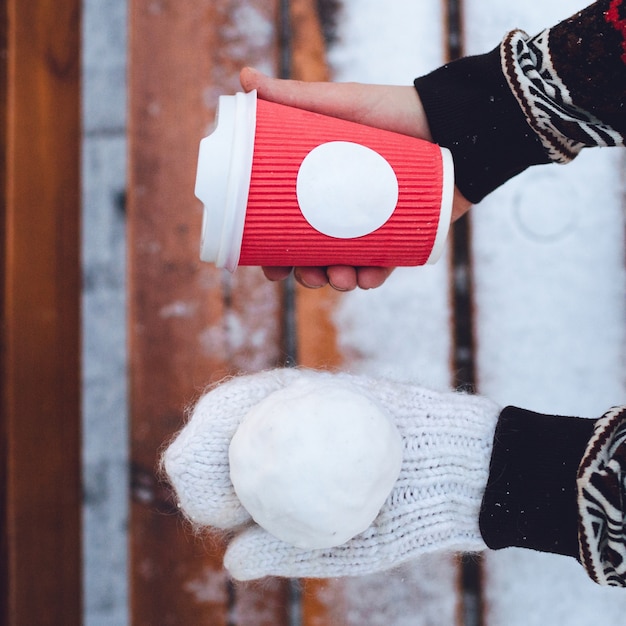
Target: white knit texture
434, 504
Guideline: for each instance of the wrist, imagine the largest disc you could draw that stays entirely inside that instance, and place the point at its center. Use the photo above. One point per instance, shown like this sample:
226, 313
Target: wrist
471, 111
531, 495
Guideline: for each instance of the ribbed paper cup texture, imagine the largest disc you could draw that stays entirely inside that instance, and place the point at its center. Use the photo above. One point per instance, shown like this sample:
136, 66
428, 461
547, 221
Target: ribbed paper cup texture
324, 191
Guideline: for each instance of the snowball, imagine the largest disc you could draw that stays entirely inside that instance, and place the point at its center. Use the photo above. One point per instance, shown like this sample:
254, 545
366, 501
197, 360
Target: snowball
314, 462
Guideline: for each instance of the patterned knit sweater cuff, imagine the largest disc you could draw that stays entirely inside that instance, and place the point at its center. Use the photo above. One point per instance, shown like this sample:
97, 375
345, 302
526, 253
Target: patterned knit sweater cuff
601, 502
471, 111
531, 495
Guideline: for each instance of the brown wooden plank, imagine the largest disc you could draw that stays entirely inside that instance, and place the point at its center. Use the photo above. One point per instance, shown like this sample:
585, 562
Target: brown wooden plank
189, 323
40, 318
4, 89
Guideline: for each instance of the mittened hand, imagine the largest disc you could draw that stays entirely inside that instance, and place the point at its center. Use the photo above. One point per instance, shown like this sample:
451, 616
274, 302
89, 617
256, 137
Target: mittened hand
434, 503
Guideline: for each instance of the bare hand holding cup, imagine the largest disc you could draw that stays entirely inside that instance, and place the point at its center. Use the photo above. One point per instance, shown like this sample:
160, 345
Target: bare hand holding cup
394, 108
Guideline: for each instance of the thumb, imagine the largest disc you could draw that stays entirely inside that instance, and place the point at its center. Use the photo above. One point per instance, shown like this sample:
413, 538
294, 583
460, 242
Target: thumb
252, 79
390, 107
252, 554
312, 96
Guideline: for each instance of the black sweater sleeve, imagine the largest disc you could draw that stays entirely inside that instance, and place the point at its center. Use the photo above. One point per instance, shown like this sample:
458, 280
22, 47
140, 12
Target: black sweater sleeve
531, 497
532, 100
472, 112
556, 484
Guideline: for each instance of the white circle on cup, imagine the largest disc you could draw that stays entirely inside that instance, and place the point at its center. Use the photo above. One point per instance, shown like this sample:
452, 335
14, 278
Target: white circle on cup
346, 190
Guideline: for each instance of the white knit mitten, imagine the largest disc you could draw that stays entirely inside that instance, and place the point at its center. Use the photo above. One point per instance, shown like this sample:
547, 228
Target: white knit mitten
434, 504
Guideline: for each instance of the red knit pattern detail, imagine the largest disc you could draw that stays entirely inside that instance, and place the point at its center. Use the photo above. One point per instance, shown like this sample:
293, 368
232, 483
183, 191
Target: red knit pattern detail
612, 17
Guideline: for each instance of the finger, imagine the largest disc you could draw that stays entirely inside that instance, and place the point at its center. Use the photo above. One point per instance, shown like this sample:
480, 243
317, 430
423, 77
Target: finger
342, 277
372, 277
311, 277
276, 273
392, 107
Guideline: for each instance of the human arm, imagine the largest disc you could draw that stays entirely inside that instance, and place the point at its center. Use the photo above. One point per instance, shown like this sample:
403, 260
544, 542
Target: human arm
531, 100
473, 476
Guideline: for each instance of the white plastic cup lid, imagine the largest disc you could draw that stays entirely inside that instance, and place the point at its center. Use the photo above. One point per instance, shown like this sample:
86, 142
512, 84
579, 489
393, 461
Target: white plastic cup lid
223, 179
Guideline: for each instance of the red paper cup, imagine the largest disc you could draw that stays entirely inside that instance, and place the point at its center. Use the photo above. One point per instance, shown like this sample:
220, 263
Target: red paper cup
282, 187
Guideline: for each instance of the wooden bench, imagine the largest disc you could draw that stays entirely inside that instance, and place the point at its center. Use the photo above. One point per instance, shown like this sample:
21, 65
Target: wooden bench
527, 308
40, 134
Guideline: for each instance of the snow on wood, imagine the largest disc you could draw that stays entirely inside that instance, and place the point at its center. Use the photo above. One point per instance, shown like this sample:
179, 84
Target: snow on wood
549, 291
189, 324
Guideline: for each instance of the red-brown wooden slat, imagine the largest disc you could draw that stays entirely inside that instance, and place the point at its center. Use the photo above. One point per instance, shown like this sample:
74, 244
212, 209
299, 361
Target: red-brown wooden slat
189, 323
40, 313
